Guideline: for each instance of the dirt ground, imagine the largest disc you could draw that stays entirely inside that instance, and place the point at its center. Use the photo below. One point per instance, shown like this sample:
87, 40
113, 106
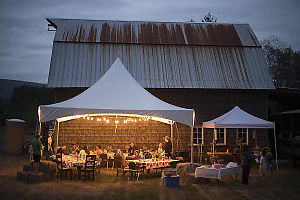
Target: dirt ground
285, 184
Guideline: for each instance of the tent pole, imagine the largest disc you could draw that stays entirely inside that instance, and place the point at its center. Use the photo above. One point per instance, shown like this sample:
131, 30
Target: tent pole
192, 160
215, 132
172, 138
275, 148
40, 128
202, 142
57, 133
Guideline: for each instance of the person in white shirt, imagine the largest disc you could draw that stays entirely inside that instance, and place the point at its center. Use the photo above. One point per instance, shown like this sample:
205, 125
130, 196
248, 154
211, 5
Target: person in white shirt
160, 150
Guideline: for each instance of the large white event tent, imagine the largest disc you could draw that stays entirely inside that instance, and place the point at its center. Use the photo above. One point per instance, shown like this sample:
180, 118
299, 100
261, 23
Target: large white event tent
238, 118
116, 92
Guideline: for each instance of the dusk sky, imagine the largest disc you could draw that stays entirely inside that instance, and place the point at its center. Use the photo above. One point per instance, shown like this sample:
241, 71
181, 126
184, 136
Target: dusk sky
25, 43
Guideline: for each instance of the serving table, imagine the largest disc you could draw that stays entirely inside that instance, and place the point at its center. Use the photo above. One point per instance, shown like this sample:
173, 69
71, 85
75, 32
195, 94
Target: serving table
210, 172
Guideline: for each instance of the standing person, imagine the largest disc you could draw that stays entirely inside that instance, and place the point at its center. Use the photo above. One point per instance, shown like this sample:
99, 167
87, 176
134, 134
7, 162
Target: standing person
49, 146
36, 149
131, 149
263, 165
246, 158
168, 146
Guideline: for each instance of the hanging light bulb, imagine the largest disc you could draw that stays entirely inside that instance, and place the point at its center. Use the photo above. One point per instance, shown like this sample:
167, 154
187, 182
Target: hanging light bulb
107, 121
92, 118
116, 121
140, 119
88, 118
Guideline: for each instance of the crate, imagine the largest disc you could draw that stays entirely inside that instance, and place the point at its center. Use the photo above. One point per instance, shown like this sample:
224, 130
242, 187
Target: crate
171, 181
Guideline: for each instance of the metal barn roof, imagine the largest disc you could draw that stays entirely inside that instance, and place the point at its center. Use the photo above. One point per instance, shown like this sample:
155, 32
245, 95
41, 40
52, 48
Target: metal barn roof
228, 57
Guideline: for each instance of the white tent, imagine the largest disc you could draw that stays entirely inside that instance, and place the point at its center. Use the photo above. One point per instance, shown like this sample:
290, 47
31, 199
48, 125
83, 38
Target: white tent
116, 92
238, 118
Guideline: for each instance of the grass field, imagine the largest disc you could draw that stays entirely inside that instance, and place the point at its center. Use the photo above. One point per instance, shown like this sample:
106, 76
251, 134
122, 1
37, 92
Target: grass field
285, 184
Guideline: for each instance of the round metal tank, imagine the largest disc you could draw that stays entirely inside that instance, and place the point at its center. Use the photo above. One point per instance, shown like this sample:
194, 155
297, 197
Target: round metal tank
14, 136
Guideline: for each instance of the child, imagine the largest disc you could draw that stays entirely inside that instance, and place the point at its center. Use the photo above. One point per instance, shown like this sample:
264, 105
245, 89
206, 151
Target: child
263, 165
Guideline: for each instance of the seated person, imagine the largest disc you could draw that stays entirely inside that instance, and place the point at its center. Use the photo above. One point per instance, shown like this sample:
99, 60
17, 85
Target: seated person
84, 152
99, 151
160, 150
137, 156
75, 149
60, 149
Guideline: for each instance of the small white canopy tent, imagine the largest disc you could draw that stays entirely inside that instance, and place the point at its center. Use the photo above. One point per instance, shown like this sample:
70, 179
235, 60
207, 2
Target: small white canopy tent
238, 118
116, 92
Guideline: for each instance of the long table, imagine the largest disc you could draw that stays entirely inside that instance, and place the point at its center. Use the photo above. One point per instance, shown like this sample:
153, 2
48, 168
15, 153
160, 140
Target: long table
154, 163
210, 172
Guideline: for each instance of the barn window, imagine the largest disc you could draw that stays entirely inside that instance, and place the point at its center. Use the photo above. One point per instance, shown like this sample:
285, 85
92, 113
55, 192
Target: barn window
197, 135
242, 134
220, 136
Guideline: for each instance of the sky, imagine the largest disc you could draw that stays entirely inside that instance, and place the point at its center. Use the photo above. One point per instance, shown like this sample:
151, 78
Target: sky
26, 45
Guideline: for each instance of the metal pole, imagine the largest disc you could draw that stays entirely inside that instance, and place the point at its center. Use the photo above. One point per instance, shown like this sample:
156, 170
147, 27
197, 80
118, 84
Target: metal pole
57, 133
202, 142
172, 138
275, 148
192, 160
215, 132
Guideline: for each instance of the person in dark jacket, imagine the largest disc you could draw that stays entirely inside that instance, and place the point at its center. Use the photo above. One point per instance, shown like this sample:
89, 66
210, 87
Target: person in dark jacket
168, 146
246, 158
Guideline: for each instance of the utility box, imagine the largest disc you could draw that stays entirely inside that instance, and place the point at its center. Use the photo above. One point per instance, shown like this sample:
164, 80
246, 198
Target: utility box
14, 136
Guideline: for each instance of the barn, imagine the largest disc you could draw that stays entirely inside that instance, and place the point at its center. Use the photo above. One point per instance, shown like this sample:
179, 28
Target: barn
209, 67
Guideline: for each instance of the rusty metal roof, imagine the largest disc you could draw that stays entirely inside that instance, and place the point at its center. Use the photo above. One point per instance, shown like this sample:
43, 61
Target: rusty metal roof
76, 64
163, 33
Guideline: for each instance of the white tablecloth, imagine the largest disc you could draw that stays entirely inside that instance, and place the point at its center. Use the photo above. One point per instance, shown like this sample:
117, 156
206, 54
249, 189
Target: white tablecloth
209, 172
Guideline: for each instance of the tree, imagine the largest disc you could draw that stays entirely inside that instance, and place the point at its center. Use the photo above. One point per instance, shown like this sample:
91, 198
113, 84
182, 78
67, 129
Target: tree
209, 18
283, 62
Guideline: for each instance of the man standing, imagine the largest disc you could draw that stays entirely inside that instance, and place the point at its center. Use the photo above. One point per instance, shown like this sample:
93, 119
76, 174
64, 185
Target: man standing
36, 149
168, 146
246, 158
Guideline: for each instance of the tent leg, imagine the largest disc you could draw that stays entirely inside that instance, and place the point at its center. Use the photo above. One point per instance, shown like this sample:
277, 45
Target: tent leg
192, 160
40, 128
172, 138
202, 142
57, 133
275, 149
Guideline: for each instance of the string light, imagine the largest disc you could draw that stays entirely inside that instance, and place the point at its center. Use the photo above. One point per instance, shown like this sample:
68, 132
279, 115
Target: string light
107, 121
116, 121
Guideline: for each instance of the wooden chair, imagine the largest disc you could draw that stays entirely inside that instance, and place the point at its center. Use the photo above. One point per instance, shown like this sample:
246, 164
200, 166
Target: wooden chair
61, 169
120, 166
88, 169
135, 169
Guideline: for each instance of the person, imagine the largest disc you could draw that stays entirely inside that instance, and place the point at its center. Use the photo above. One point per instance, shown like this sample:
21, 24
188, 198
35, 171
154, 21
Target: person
263, 165
61, 149
36, 149
246, 158
137, 155
49, 146
99, 151
160, 150
75, 149
131, 149
168, 146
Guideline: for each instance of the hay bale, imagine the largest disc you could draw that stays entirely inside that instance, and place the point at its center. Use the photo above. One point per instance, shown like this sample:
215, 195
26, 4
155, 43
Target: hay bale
186, 172
36, 177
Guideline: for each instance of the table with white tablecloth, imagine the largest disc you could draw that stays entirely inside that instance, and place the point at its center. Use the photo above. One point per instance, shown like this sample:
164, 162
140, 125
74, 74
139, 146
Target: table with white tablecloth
210, 172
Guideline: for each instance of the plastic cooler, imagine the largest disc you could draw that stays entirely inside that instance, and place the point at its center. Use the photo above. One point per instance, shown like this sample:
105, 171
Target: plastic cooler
171, 181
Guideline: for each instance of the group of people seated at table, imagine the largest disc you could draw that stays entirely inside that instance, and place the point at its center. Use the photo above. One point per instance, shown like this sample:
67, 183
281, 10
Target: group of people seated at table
131, 152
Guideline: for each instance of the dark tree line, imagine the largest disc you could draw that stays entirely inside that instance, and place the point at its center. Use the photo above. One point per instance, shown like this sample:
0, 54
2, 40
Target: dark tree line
283, 62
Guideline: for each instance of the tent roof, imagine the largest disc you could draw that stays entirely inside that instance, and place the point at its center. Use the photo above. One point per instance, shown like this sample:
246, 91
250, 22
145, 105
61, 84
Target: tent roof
238, 118
117, 92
